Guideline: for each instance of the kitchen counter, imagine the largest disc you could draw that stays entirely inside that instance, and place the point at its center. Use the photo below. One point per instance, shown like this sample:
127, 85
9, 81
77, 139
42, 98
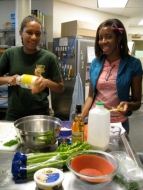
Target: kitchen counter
69, 183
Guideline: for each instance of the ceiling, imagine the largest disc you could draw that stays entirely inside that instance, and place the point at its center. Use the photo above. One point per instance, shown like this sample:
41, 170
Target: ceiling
133, 9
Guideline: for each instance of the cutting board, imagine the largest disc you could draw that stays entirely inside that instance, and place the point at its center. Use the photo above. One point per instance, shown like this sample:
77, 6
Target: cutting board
7, 133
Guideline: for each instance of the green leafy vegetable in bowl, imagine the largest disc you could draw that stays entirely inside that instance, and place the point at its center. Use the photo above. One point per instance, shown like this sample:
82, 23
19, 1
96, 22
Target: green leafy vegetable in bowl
46, 137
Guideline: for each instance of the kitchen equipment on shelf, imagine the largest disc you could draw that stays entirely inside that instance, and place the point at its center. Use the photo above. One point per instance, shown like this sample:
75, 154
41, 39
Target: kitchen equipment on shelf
93, 167
74, 54
38, 131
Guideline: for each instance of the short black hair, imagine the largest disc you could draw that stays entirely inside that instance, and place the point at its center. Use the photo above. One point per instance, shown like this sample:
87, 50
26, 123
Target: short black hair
124, 50
29, 18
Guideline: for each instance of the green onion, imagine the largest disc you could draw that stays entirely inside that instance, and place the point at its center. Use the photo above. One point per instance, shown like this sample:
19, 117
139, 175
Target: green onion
12, 142
129, 185
24, 166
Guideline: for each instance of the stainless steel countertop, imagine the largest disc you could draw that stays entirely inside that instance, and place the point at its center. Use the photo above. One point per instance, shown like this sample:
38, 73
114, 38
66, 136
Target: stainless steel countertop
7, 183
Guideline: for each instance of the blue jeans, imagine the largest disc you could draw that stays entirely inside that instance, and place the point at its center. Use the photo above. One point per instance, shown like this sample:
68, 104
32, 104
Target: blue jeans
125, 124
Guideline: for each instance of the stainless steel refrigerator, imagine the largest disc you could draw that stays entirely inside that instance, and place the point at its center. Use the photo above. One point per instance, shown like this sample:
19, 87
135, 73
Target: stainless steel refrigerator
74, 54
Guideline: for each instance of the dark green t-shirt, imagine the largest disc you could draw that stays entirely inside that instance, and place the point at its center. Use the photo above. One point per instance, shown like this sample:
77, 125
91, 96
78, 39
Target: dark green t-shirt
21, 102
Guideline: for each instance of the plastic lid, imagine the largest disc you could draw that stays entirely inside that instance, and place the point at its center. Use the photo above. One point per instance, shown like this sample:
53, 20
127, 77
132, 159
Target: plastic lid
18, 80
49, 177
99, 103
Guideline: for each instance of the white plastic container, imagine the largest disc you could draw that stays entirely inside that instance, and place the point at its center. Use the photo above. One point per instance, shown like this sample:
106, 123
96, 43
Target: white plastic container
49, 179
26, 81
99, 127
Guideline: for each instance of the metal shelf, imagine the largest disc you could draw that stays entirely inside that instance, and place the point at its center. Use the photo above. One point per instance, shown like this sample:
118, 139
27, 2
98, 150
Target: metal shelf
7, 30
3, 47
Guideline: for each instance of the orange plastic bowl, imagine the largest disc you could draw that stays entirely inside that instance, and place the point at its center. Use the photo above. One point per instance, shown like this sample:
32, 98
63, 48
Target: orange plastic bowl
91, 166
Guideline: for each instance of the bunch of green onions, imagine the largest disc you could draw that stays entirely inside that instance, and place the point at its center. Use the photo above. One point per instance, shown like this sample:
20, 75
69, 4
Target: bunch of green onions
24, 166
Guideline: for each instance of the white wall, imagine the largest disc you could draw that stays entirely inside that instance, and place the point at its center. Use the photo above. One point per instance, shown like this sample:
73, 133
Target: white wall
64, 12
136, 30
45, 6
6, 8
130, 37
133, 31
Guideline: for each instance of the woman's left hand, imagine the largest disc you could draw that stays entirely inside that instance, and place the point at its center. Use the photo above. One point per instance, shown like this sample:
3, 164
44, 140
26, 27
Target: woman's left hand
39, 84
123, 107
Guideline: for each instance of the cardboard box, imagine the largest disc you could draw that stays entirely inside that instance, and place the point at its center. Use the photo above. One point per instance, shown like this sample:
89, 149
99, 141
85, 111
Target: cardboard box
78, 28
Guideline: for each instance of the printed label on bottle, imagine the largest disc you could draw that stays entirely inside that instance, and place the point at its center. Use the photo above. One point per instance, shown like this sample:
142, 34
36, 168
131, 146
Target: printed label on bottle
27, 79
77, 137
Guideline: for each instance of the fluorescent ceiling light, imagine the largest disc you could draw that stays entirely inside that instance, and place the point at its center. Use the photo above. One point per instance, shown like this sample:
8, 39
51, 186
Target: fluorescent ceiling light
112, 3
141, 22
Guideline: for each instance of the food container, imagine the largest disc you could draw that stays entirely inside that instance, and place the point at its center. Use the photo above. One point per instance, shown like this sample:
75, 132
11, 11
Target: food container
38, 131
65, 130
93, 167
49, 179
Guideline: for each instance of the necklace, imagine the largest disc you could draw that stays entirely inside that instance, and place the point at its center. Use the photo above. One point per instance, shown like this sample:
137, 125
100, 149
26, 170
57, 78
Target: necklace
109, 73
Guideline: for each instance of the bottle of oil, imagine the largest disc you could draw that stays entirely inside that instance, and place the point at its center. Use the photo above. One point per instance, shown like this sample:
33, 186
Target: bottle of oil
78, 126
26, 81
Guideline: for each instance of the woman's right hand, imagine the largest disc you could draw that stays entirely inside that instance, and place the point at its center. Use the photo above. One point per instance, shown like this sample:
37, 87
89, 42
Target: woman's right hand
12, 80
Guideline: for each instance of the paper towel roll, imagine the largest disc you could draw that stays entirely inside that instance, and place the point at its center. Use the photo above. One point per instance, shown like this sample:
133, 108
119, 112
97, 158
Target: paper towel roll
86, 91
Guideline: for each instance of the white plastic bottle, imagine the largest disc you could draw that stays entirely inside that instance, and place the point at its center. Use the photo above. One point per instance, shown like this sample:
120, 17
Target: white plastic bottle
26, 81
99, 127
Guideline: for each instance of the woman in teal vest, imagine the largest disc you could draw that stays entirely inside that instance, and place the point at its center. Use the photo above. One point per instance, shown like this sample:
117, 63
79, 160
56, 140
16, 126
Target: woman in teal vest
115, 75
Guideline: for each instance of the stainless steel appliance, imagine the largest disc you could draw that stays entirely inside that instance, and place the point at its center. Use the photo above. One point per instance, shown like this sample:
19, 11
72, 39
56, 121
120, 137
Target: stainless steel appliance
74, 54
3, 100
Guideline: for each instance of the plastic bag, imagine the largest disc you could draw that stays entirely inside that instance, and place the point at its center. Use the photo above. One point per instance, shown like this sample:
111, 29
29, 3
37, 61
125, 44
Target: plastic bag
115, 132
130, 175
140, 154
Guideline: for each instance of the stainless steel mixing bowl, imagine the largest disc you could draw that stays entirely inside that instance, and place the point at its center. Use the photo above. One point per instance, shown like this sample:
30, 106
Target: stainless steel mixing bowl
38, 131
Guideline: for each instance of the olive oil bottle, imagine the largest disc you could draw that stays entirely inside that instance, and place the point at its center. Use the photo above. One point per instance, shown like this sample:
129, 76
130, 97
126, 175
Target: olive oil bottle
78, 126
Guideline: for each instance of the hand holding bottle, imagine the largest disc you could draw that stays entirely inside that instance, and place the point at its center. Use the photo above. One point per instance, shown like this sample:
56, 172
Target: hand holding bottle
12, 80
39, 84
